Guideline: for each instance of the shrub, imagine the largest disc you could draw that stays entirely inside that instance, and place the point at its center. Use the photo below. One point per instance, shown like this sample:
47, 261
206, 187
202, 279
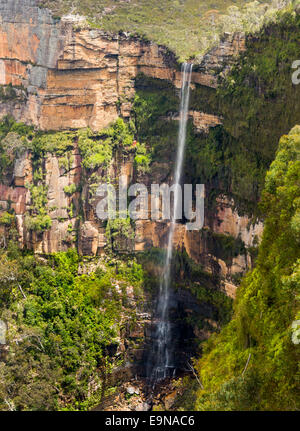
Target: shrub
69, 190
7, 219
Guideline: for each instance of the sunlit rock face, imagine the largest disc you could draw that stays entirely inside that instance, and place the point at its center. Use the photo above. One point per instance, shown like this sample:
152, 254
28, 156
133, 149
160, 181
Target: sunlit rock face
71, 76
65, 76
88, 233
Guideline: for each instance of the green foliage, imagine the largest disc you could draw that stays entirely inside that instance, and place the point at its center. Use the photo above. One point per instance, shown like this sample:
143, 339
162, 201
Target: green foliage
66, 161
95, 148
7, 93
119, 234
154, 101
10, 93
205, 287
266, 308
40, 223
98, 152
38, 220
7, 219
121, 133
142, 159
233, 158
224, 247
62, 328
23, 130
55, 143
94, 153
70, 190
188, 27
13, 141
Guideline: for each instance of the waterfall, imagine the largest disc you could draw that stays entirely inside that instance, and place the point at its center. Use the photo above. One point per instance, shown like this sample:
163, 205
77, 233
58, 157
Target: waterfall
161, 365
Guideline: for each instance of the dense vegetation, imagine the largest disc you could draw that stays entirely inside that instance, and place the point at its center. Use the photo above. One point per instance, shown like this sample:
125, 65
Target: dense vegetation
96, 149
253, 363
205, 287
154, 101
188, 27
65, 322
191, 276
234, 157
62, 344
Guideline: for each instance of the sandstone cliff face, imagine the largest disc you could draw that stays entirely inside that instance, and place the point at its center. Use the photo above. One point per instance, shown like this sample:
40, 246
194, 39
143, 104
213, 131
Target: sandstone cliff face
155, 234
88, 233
74, 76
69, 76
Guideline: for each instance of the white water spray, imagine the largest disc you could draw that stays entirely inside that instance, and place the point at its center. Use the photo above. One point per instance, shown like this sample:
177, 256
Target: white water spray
162, 364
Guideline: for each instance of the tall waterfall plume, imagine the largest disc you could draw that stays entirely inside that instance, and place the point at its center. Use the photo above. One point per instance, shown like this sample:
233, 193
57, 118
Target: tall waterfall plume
161, 364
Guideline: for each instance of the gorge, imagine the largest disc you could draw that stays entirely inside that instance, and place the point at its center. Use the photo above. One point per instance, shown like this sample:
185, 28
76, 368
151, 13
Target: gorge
92, 323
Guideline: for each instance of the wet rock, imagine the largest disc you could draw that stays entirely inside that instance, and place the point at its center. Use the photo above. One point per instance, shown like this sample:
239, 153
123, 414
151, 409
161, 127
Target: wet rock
143, 407
170, 399
131, 390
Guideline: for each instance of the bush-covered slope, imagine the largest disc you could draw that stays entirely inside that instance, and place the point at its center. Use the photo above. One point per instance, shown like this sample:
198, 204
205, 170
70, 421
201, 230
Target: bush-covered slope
63, 328
258, 103
233, 157
188, 27
253, 363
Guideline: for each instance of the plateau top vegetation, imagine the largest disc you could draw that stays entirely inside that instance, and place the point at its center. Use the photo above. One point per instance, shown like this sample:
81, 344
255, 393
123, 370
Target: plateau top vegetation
187, 27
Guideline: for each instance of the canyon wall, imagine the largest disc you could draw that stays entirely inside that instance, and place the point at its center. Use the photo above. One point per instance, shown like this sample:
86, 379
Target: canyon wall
65, 75
68, 75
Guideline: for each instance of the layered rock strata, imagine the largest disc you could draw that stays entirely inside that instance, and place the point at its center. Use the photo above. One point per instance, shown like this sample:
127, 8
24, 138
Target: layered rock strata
73, 76
66, 75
